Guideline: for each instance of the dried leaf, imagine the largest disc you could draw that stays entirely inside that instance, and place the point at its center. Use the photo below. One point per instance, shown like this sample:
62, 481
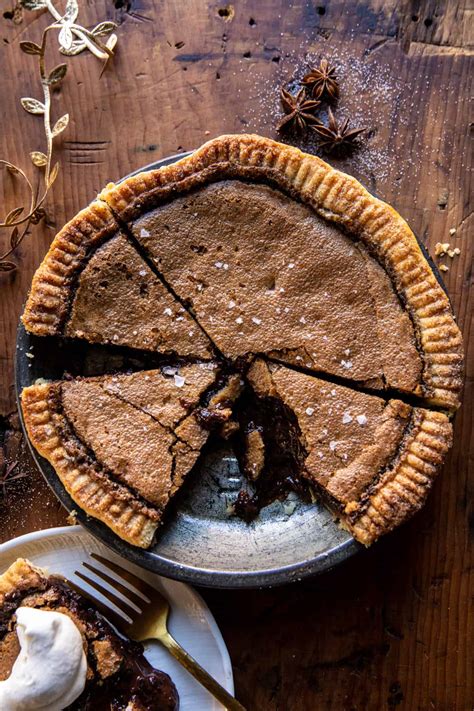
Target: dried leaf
72, 10
13, 169
76, 47
57, 74
100, 49
13, 214
7, 266
38, 158
30, 48
15, 237
103, 29
38, 215
33, 106
33, 4
111, 42
65, 37
53, 175
60, 125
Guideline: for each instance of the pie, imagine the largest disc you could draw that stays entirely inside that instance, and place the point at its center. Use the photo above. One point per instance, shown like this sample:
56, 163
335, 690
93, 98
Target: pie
269, 264
118, 675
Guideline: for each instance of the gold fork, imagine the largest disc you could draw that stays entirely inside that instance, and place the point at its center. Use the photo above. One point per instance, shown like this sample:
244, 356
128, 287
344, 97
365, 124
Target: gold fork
150, 621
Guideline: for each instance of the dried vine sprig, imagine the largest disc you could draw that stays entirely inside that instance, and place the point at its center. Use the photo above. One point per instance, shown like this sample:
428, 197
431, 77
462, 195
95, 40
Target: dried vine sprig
73, 39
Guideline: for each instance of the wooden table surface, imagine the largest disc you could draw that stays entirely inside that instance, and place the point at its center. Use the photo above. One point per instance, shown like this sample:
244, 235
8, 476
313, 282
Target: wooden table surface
392, 628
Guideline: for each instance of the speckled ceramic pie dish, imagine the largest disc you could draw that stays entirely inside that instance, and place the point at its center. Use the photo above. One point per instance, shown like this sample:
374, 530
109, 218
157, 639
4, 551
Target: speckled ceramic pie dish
185, 274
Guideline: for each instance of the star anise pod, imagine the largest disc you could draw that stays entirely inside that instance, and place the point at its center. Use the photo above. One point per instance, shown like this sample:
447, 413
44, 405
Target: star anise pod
322, 81
299, 111
337, 136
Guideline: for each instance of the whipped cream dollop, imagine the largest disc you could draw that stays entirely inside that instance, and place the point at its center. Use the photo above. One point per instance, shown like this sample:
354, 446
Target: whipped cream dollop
50, 670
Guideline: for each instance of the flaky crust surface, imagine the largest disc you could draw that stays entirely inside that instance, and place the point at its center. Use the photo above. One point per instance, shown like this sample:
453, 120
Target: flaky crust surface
338, 198
21, 575
98, 496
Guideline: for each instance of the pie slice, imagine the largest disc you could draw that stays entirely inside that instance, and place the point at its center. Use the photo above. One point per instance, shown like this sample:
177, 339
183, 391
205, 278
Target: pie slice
276, 252
118, 675
93, 284
372, 461
122, 445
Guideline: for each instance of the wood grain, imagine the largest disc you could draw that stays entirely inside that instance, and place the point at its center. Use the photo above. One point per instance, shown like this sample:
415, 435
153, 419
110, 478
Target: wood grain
392, 628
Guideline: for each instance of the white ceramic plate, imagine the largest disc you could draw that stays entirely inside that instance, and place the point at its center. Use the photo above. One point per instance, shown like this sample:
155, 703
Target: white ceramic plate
62, 550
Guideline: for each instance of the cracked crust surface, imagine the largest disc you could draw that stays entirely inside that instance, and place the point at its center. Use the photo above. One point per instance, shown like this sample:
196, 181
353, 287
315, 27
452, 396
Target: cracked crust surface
85, 481
118, 299
340, 199
122, 445
264, 274
93, 284
373, 461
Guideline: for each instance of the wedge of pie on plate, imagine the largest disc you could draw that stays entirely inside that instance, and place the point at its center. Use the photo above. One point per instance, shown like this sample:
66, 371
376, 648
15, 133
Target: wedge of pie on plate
57, 652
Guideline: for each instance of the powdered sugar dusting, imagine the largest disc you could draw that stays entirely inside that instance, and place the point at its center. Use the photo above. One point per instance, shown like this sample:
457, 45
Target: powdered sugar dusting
372, 95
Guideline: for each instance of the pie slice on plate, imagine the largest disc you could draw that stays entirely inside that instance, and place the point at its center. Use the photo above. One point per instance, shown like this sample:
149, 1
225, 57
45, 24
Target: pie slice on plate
109, 671
372, 461
122, 445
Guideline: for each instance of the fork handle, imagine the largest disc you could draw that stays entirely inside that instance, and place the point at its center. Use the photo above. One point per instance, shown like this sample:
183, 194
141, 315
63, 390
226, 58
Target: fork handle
202, 676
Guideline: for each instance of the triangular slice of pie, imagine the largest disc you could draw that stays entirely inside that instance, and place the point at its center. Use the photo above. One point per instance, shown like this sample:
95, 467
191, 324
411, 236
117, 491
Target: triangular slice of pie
122, 445
117, 674
372, 461
94, 285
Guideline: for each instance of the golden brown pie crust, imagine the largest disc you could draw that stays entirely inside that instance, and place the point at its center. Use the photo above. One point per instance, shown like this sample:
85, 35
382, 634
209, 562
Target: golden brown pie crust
338, 198
95, 493
49, 297
21, 575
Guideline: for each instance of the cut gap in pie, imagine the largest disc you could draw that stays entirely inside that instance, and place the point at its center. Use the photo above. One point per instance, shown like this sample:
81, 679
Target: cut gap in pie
118, 674
372, 461
122, 445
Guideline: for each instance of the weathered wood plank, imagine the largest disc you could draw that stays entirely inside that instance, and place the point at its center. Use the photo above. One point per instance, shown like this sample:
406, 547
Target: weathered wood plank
392, 628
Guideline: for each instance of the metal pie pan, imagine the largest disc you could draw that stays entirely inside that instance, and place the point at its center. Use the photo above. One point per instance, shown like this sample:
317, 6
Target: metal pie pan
199, 543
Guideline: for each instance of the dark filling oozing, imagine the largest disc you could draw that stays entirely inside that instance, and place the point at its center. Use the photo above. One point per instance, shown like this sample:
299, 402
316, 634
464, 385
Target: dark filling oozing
284, 454
136, 681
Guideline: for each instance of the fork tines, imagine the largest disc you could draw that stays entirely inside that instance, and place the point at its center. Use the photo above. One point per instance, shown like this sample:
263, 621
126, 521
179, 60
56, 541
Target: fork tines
135, 603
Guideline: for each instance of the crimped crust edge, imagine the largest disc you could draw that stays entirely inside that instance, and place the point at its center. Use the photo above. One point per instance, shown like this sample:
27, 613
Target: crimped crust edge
48, 301
126, 516
403, 488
